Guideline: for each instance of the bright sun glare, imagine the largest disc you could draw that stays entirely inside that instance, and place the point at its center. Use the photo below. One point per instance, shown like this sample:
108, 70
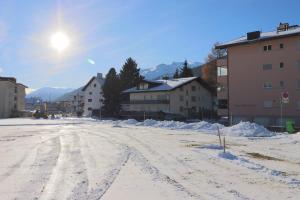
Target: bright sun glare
60, 41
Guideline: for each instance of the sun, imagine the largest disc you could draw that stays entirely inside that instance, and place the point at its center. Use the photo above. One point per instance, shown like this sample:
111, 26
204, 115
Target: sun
60, 41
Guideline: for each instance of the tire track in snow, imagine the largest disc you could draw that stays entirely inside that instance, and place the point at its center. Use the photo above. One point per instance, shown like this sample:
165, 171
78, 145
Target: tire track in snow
28, 157
205, 174
139, 159
68, 179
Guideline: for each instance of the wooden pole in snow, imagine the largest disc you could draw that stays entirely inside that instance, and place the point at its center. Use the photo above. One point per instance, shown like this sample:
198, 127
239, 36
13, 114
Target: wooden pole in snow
224, 145
219, 134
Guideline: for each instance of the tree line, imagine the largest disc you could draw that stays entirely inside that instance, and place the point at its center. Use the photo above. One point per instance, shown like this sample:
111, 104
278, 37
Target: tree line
115, 83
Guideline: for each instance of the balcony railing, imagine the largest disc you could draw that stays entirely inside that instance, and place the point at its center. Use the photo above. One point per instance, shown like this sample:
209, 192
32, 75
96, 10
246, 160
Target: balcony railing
147, 102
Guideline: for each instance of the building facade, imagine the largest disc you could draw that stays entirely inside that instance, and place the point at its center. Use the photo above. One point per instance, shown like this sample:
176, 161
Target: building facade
258, 69
187, 97
93, 96
12, 97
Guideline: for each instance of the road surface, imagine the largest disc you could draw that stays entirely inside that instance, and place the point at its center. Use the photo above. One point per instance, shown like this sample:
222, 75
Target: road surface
83, 159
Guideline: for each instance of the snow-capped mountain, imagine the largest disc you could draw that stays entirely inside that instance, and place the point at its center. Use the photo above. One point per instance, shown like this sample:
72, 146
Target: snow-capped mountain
165, 70
69, 95
49, 93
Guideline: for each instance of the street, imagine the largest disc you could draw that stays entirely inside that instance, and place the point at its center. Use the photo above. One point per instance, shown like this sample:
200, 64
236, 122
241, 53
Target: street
85, 159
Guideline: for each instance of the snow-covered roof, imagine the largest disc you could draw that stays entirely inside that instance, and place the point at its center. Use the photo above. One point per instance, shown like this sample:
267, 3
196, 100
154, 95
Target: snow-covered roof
165, 85
263, 36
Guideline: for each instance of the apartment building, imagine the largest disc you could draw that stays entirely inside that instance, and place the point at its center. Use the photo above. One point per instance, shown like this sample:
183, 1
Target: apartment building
183, 96
93, 96
257, 70
12, 97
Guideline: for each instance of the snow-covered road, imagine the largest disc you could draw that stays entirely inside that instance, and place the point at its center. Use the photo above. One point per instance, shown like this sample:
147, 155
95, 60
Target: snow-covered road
82, 159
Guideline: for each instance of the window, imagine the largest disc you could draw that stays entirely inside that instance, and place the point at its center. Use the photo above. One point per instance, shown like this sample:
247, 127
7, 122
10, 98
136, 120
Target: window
181, 89
281, 65
268, 104
193, 99
298, 45
267, 66
220, 88
181, 108
193, 88
222, 103
143, 86
281, 84
90, 93
89, 100
298, 84
16, 89
187, 92
181, 98
268, 47
95, 85
222, 71
298, 106
281, 45
194, 109
74, 97
16, 98
15, 106
89, 108
268, 85
298, 64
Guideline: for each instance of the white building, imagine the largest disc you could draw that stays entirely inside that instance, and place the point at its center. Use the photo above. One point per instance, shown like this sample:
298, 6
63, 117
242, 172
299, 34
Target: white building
188, 97
93, 96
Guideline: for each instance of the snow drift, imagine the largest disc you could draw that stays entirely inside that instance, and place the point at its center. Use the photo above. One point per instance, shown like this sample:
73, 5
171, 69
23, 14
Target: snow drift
246, 129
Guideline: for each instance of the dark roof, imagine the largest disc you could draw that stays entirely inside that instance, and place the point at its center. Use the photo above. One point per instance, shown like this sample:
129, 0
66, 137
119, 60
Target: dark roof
84, 88
22, 85
12, 79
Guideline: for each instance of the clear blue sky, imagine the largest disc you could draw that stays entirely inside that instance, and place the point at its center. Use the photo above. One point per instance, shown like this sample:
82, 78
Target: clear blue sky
150, 31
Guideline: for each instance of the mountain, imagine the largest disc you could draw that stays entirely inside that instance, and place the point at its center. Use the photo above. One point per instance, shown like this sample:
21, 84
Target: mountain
69, 95
49, 93
165, 70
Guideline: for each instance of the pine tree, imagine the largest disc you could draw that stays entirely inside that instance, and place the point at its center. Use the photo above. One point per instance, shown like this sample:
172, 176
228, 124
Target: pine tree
111, 92
176, 74
185, 70
130, 74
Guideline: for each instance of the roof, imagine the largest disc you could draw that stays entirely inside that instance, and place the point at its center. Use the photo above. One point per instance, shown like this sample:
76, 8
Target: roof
292, 31
167, 85
22, 85
12, 79
101, 82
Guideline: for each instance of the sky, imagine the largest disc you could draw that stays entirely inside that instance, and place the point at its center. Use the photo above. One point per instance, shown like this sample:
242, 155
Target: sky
109, 31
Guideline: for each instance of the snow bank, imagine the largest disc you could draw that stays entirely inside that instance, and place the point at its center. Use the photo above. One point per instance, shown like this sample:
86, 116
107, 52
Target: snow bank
247, 129
174, 125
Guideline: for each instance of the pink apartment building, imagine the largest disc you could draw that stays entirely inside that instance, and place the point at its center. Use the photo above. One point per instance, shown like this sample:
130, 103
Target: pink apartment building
258, 68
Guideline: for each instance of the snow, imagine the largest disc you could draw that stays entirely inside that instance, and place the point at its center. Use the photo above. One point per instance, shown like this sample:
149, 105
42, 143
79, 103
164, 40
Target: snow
247, 129
165, 70
243, 129
92, 159
164, 84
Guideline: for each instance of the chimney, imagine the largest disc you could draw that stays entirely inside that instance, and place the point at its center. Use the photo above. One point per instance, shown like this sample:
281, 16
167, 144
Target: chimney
99, 76
253, 35
283, 27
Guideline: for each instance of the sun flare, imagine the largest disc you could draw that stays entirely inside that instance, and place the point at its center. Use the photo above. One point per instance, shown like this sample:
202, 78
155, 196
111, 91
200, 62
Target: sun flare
60, 41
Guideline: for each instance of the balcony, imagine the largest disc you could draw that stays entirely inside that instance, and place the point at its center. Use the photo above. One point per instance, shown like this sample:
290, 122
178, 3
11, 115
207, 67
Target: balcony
147, 102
